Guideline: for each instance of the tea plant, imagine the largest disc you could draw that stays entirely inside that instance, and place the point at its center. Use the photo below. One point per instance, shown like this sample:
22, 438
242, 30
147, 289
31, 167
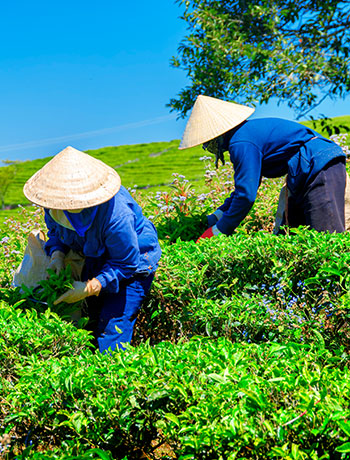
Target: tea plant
291, 287
200, 399
24, 332
178, 213
43, 296
241, 350
181, 213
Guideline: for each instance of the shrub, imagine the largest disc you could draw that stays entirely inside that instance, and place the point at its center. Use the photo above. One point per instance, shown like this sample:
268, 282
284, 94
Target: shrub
26, 333
242, 349
200, 399
256, 288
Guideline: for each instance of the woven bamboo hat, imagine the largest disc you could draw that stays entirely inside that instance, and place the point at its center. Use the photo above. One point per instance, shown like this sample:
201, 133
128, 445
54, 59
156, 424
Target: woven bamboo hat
72, 180
211, 117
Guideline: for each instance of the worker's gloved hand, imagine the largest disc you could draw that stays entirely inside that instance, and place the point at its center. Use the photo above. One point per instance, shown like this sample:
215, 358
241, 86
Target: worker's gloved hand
209, 233
80, 291
56, 261
213, 218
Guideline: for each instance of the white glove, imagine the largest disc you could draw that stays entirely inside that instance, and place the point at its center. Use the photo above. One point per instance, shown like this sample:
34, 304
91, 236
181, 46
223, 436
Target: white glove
56, 261
80, 291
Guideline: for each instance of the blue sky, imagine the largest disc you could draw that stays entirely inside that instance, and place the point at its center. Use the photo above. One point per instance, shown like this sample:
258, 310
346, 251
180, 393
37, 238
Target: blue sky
92, 74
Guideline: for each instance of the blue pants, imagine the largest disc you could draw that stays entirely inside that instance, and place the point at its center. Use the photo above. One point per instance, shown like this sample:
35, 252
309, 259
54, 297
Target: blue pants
114, 315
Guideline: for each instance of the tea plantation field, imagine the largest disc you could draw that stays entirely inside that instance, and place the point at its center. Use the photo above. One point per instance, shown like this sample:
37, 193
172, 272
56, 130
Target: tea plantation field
149, 167
241, 350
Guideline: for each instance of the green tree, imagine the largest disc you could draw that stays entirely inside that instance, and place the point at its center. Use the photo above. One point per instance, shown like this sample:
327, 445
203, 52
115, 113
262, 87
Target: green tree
7, 175
249, 51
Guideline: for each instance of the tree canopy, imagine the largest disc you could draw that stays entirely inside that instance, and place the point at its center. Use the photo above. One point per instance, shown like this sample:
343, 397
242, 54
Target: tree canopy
249, 51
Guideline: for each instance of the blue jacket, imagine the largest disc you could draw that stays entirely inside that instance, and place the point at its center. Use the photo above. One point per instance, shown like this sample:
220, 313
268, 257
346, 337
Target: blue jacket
271, 147
119, 241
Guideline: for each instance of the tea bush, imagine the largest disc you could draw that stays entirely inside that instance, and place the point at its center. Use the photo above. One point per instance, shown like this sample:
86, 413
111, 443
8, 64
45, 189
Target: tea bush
43, 296
241, 350
253, 288
26, 333
182, 212
66, 453
199, 399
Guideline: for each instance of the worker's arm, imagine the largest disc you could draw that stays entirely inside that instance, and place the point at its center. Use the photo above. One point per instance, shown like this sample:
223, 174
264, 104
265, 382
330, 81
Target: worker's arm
246, 158
123, 257
123, 252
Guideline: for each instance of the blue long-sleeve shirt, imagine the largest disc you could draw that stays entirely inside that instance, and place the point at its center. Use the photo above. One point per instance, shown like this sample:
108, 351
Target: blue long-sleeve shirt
119, 243
271, 147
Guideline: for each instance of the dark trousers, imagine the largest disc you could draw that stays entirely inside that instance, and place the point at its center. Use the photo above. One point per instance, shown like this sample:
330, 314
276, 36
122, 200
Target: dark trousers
321, 205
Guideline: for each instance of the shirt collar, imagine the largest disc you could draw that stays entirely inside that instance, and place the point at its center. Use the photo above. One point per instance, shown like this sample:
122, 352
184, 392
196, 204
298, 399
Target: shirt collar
81, 221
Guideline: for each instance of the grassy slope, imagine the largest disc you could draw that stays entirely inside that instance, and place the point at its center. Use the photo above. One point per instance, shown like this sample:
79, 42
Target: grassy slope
149, 166
144, 165
319, 125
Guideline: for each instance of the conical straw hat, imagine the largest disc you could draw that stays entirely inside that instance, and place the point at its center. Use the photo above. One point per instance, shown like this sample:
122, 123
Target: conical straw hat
211, 117
72, 180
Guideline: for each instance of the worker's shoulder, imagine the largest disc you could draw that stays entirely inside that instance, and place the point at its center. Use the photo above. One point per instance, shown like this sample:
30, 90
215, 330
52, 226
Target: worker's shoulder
119, 206
260, 129
267, 122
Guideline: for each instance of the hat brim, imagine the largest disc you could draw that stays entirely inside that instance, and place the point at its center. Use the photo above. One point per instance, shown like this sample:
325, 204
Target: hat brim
72, 180
210, 118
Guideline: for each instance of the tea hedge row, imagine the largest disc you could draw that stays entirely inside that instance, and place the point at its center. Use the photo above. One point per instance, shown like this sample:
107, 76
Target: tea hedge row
255, 288
252, 288
201, 399
27, 333
247, 288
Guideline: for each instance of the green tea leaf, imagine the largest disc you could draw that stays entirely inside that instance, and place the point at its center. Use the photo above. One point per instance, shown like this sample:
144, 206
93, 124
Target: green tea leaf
343, 448
345, 426
172, 418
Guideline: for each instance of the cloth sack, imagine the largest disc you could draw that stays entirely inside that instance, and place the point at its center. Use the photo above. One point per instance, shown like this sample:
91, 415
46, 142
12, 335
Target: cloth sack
35, 262
282, 205
280, 210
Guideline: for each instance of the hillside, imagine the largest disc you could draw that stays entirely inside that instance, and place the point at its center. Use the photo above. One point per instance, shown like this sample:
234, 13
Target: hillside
147, 166
144, 165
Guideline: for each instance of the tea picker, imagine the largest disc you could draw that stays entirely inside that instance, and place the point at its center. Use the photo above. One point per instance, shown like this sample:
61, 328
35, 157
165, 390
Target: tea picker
270, 147
88, 211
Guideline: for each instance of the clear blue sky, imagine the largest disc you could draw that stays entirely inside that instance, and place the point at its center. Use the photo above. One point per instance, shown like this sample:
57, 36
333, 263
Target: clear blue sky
92, 74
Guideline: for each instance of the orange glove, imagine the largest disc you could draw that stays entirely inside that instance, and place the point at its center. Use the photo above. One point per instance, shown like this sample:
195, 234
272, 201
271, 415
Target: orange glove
80, 291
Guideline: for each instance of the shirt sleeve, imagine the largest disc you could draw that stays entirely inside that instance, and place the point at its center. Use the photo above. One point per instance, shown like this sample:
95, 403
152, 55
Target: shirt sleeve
246, 158
123, 253
53, 242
